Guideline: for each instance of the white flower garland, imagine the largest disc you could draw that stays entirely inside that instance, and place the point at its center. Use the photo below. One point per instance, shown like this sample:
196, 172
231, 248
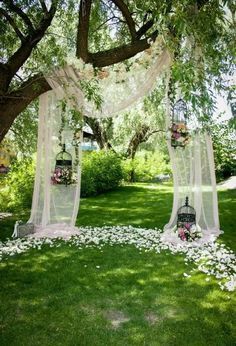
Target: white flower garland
118, 73
212, 258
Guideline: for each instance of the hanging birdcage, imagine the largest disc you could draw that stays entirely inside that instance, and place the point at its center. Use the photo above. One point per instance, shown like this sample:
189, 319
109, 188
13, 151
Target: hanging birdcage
186, 223
179, 131
63, 168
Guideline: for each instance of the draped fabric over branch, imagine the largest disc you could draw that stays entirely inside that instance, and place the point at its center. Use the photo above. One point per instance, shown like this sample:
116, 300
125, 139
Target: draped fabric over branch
114, 90
117, 89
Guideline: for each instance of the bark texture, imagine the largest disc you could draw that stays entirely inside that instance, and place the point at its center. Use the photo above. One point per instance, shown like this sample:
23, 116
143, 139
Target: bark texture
14, 99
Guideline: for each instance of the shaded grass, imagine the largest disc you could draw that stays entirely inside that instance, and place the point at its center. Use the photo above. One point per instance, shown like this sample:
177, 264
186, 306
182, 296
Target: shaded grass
58, 296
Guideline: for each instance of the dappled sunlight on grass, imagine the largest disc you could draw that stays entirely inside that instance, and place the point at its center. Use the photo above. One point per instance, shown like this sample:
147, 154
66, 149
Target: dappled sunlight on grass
129, 205
116, 295
89, 281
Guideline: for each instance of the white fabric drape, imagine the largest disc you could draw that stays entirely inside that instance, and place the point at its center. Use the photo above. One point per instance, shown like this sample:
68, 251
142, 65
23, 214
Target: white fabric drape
194, 177
58, 204
193, 167
118, 91
53, 204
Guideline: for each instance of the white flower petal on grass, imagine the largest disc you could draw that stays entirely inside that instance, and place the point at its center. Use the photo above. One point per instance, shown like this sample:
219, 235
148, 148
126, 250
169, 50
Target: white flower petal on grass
212, 259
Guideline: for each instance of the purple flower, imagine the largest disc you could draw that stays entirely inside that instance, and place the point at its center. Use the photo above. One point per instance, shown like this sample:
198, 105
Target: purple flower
187, 225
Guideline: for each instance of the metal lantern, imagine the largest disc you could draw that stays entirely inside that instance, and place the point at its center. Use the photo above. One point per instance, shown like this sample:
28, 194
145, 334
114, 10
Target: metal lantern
186, 216
63, 169
179, 132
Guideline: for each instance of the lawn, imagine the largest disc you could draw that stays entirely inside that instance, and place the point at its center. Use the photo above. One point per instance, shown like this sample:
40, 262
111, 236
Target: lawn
115, 295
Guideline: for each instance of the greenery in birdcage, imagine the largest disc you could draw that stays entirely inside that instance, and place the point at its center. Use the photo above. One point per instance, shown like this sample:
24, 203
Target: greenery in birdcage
71, 119
63, 176
188, 231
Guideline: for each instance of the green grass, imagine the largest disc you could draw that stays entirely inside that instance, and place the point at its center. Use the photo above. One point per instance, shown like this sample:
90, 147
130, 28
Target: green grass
137, 205
58, 296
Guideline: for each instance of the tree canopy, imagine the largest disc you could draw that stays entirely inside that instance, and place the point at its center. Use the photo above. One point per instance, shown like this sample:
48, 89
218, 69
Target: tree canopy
37, 36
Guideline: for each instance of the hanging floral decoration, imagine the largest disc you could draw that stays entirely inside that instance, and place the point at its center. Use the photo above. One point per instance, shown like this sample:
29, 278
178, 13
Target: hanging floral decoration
179, 135
179, 132
63, 176
63, 173
187, 229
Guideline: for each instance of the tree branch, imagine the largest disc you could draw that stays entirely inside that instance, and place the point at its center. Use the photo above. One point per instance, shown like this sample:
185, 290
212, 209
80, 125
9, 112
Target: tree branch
83, 28
14, 103
44, 7
99, 134
113, 17
31, 40
145, 28
127, 15
115, 55
12, 23
20, 13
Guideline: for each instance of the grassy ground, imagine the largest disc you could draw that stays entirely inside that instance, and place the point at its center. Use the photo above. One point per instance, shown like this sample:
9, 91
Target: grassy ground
117, 295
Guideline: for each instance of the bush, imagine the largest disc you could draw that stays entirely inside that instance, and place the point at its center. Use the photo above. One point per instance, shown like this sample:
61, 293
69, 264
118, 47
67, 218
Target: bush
146, 166
17, 186
101, 172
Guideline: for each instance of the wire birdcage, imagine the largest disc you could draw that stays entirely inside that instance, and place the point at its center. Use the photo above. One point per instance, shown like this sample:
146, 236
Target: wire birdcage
186, 214
63, 168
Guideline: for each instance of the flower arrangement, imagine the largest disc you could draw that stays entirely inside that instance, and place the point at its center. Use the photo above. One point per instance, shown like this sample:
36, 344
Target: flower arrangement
189, 232
63, 176
179, 135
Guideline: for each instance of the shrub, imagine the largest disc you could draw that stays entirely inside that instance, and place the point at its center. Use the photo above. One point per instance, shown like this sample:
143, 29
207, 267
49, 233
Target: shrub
101, 172
146, 166
17, 186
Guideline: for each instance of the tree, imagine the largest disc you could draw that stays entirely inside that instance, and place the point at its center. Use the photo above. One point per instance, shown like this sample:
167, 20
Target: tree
35, 36
124, 133
224, 145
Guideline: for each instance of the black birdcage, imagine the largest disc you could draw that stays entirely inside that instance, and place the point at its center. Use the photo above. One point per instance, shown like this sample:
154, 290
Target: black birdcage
63, 168
179, 132
63, 158
186, 216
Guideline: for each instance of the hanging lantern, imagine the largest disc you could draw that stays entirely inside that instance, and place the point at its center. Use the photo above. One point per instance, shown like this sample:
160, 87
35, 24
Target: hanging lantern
63, 168
179, 131
186, 223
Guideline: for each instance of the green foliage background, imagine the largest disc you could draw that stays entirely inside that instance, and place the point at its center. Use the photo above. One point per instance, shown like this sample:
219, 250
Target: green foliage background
101, 172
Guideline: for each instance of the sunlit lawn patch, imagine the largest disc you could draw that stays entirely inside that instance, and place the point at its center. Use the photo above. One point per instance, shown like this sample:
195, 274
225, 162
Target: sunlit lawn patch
115, 295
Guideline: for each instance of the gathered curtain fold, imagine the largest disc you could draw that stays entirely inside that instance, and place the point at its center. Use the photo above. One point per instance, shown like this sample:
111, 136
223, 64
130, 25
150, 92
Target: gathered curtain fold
58, 204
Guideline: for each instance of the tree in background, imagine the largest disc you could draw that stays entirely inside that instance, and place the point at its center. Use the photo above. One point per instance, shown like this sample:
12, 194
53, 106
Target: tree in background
224, 145
36, 36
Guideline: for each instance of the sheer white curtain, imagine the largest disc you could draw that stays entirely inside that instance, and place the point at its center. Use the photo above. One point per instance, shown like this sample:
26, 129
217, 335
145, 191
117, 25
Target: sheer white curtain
52, 203
193, 167
118, 90
194, 177
59, 204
